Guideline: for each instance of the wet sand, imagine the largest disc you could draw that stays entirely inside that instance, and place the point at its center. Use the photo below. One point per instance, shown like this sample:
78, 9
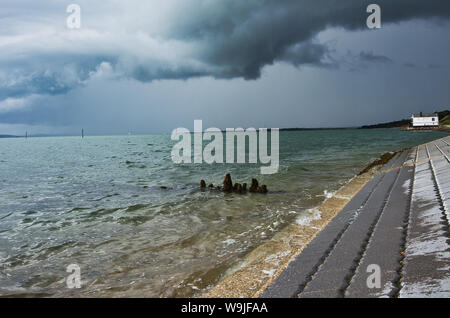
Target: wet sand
259, 269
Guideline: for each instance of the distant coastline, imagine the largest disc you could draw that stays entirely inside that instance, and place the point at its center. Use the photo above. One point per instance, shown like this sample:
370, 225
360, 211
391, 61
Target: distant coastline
328, 128
9, 136
444, 122
444, 125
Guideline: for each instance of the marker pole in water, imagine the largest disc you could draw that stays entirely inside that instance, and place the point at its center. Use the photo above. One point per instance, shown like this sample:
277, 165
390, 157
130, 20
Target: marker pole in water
82, 132
26, 134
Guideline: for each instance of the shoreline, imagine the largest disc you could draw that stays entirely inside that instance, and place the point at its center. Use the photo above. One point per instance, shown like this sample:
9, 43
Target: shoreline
266, 262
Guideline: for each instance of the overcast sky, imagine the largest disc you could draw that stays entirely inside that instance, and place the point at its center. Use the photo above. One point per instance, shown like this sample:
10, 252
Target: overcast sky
152, 66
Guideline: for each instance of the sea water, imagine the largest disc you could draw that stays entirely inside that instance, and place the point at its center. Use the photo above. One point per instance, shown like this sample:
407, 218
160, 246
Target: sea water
138, 225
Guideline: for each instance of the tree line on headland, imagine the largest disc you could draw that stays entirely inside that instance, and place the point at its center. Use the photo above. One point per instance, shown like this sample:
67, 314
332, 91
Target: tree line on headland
444, 119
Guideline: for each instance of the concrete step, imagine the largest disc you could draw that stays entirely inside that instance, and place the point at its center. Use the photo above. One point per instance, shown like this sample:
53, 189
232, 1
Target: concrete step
333, 276
426, 266
387, 242
398, 221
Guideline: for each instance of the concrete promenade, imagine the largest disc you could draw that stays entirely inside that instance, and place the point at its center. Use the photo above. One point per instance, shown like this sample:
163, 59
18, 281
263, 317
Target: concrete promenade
398, 223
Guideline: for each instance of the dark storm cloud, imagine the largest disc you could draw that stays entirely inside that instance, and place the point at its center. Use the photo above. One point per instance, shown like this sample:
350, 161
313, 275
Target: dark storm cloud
373, 58
433, 66
52, 78
243, 36
222, 39
305, 53
410, 65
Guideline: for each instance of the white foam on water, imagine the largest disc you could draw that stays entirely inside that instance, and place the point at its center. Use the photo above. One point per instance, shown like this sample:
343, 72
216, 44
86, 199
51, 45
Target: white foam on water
310, 215
274, 259
229, 241
327, 194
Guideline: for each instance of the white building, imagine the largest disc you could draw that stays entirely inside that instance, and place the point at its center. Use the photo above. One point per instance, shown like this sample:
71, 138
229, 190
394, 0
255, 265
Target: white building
425, 120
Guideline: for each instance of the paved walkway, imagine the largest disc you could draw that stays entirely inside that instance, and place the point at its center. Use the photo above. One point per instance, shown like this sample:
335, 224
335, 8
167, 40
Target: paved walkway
398, 223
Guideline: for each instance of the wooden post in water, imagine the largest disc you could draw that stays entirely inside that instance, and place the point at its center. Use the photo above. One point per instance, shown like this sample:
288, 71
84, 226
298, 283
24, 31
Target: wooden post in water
82, 132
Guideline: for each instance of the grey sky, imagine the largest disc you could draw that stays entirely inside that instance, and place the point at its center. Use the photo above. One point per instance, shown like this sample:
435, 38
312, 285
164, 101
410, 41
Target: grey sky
152, 66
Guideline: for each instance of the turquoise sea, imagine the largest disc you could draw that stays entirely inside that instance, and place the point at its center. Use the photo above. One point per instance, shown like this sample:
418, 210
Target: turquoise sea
97, 202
